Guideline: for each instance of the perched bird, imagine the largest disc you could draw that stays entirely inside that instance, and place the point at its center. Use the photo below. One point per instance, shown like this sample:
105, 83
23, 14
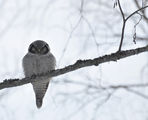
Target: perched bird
39, 60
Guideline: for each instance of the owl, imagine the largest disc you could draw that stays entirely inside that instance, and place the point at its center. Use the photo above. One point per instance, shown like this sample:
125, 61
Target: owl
39, 60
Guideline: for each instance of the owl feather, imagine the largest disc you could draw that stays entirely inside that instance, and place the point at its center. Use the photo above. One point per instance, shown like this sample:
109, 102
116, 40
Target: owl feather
39, 60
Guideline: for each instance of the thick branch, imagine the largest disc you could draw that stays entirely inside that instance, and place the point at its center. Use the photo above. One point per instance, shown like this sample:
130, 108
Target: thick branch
79, 64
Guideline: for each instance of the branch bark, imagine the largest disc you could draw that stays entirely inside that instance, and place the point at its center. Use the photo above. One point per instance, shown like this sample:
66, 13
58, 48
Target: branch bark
7, 83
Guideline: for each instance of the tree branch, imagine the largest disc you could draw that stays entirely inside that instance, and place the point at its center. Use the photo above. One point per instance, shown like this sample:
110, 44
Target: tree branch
123, 25
79, 64
135, 12
124, 22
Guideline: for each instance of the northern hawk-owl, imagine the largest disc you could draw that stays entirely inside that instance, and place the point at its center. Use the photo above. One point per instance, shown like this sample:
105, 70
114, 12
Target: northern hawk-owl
38, 60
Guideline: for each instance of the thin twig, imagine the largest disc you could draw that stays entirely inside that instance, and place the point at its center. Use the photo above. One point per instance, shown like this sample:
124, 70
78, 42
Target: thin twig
135, 12
124, 22
123, 26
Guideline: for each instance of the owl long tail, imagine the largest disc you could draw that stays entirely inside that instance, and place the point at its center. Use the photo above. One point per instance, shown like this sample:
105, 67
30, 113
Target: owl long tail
39, 102
40, 90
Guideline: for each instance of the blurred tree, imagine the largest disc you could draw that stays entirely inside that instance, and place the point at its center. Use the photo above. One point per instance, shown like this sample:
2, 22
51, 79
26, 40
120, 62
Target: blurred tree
88, 33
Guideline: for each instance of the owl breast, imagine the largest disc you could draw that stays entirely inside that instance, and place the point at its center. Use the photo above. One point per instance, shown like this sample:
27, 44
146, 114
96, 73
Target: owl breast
35, 64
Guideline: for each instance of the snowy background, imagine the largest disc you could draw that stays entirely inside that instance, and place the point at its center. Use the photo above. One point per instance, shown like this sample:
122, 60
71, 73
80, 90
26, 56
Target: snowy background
74, 29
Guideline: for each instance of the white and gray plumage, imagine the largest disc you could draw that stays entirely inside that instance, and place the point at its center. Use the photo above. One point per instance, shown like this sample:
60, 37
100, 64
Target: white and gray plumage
38, 60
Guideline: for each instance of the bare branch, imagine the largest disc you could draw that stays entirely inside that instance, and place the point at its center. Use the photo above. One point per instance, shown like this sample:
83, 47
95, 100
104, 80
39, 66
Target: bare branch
120, 8
137, 93
125, 20
123, 26
72, 31
79, 64
135, 12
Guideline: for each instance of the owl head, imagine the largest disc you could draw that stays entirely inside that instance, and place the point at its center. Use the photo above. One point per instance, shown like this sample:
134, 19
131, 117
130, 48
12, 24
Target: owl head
39, 47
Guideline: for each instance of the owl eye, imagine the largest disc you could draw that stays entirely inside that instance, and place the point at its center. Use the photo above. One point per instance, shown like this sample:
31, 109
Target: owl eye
44, 50
32, 49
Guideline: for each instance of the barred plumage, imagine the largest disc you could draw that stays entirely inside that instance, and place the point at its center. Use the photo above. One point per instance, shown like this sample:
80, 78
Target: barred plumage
39, 60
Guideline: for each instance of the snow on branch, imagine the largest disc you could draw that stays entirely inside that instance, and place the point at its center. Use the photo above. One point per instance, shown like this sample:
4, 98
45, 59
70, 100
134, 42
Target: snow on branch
7, 83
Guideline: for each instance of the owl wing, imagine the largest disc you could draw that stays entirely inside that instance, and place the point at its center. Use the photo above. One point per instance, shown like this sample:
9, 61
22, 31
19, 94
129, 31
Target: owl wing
52, 62
28, 65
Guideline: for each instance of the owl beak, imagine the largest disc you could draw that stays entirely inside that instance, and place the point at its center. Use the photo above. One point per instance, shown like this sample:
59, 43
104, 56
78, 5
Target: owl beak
39, 50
